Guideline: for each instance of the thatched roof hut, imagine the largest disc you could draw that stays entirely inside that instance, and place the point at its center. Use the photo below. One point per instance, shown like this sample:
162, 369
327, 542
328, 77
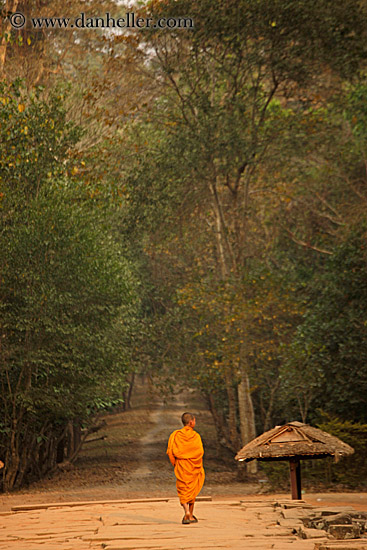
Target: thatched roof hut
294, 441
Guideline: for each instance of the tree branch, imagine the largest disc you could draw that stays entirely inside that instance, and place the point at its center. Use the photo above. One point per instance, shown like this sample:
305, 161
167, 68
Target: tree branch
306, 245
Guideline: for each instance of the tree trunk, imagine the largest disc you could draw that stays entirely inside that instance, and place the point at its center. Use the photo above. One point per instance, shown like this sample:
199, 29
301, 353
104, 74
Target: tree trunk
77, 436
12, 459
218, 421
70, 440
269, 412
28, 446
60, 451
247, 416
232, 411
127, 394
10, 7
130, 391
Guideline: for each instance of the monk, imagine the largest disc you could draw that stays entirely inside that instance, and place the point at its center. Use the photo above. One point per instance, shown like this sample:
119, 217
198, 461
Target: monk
185, 451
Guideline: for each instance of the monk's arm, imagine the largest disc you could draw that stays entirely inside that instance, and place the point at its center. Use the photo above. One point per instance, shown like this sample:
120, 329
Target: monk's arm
171, 456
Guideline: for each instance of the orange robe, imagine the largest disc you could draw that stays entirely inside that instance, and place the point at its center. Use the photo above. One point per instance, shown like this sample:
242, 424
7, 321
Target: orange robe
185, 451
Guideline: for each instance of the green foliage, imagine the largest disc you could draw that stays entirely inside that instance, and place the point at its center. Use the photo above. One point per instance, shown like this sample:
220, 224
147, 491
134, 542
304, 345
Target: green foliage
67, 298
350, 471
356, 112
63, 283
35, 138
296, 38
328, 355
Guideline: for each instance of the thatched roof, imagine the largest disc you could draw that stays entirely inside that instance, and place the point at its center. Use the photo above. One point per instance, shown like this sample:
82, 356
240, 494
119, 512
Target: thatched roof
294, 440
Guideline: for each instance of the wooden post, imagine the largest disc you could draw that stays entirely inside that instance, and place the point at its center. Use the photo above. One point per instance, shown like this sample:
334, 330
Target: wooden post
295, 471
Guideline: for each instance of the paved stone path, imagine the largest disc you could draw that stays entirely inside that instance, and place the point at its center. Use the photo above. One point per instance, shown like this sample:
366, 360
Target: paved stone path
148, 525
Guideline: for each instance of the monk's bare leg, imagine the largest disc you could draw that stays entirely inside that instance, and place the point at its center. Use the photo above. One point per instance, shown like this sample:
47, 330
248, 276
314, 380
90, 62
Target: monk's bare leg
191, 509
185, 506
192, 518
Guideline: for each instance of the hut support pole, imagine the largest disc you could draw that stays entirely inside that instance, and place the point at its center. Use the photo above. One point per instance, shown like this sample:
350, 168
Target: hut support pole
295, 471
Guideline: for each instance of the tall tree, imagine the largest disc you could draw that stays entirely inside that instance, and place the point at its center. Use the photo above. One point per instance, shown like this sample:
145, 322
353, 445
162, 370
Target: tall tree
231, 94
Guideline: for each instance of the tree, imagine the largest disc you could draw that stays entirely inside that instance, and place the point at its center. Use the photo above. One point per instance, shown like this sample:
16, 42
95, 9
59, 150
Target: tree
67, 298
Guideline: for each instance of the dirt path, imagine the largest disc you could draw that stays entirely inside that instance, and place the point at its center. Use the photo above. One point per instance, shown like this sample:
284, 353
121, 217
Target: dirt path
153, 473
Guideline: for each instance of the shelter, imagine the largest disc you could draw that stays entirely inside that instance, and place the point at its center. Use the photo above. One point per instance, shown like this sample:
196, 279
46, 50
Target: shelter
294, 441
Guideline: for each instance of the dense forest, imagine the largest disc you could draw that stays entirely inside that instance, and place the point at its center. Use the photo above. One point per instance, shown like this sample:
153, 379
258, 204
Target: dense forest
188, 203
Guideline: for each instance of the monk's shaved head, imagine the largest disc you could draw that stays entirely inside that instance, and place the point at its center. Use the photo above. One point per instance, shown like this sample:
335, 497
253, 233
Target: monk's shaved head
186, 418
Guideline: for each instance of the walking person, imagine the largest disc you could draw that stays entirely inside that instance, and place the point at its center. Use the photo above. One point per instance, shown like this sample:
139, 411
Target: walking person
185, 451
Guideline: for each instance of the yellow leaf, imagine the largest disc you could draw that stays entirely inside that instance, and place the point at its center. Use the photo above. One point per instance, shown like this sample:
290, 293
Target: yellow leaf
21, 107
29, 41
